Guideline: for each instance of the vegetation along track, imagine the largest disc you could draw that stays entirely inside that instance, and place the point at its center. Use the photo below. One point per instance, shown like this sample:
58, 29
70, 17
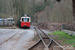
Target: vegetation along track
45, 42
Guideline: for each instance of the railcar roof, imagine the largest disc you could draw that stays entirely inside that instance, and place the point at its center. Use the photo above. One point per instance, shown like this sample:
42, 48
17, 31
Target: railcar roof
25, 17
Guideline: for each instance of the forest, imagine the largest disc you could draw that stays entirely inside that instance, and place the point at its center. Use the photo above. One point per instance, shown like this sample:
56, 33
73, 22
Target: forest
46, 11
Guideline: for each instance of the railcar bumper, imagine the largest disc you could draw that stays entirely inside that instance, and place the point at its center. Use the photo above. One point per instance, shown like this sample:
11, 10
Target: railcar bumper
25, 26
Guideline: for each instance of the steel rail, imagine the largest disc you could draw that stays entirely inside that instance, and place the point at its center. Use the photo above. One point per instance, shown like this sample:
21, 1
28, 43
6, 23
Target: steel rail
35, 43
41, 39
47, 36
53, 40
46, 46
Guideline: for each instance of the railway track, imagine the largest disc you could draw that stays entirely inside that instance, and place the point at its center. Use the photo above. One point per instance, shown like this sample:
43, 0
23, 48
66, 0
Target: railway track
45, 42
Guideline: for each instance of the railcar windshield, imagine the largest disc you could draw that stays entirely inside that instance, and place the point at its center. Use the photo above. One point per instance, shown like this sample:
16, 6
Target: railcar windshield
25, 19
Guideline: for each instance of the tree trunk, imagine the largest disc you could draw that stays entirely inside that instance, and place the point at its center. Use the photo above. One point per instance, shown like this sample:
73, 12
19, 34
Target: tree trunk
73, 14
73, 10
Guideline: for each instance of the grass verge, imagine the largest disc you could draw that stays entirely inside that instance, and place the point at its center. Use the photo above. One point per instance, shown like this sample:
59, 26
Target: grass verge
67, 39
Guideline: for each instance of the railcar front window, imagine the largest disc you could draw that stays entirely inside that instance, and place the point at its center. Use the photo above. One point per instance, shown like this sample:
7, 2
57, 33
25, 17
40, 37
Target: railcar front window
25, 19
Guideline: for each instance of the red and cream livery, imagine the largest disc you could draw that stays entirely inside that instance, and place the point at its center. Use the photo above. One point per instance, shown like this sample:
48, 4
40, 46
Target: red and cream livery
25, 21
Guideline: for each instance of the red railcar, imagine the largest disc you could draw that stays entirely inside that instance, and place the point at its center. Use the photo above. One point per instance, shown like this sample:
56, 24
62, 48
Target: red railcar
25, 21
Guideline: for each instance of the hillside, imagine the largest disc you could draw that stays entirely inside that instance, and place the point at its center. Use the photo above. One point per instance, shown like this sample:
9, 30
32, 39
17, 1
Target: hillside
57, 12
40, 10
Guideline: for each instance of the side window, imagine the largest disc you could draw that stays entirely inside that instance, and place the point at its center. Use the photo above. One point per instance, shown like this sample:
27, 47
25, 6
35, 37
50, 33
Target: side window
22, 19
27, 19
